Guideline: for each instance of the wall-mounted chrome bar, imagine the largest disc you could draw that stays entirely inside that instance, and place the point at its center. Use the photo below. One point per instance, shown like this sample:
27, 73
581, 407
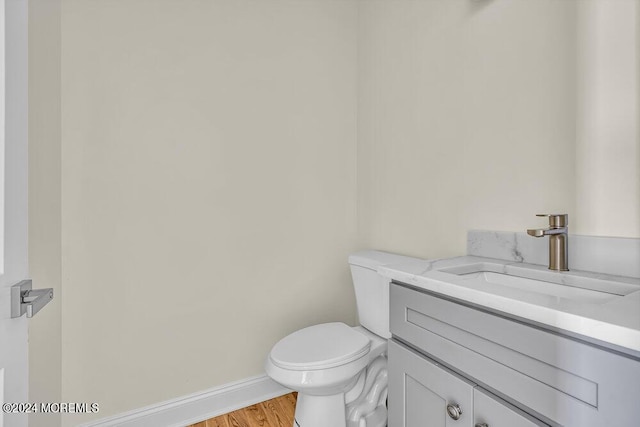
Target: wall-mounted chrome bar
24, 299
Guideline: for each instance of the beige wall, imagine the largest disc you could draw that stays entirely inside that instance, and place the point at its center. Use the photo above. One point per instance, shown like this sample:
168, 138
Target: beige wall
220, 160
466, 119
44, 204
608, 137
209, 189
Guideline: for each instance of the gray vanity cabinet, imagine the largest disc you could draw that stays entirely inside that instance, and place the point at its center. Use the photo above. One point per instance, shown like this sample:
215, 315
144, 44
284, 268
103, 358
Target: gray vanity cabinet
421, 393
544, 376
490, 411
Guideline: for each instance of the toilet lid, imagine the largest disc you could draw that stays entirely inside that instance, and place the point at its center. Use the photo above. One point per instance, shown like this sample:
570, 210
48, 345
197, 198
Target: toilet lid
319, 347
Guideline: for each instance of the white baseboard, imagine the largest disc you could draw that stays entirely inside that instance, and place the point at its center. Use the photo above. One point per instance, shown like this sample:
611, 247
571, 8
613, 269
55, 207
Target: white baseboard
197, 407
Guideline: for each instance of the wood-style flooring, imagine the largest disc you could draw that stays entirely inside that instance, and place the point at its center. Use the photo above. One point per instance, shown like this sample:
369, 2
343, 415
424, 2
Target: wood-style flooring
276, 412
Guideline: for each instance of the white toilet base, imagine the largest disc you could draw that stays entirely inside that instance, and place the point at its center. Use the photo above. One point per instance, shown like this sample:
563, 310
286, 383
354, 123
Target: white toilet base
320, 411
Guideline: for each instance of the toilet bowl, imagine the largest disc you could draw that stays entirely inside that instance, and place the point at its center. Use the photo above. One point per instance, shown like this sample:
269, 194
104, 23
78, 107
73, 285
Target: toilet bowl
327, 365
340, 372
319, 360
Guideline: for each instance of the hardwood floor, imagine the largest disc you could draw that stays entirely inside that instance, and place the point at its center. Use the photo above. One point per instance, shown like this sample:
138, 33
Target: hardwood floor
276, 412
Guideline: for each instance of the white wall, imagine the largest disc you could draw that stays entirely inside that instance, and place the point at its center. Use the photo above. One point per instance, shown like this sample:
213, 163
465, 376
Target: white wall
208, 189
212, 151
44, 204
608, 140
466, 119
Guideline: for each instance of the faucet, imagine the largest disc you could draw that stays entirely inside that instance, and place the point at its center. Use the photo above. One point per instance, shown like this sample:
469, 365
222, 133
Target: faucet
558, 240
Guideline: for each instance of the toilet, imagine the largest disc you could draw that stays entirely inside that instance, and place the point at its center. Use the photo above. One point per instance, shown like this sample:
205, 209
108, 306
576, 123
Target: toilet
340, 372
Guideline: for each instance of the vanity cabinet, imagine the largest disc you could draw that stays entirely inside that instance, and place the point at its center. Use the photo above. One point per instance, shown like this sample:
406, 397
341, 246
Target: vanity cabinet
420, 390
424, 393
491, 411
444, 352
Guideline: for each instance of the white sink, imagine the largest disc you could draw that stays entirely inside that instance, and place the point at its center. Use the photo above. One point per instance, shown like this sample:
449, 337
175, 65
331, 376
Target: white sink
567, 285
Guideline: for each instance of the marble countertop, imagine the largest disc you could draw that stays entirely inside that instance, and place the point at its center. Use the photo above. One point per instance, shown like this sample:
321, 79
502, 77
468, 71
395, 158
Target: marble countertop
614, 320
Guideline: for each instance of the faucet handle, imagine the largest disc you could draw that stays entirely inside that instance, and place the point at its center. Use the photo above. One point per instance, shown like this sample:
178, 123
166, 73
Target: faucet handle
556, 220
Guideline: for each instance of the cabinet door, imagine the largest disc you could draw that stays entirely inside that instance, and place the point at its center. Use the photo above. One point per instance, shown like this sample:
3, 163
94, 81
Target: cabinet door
422, 393
490, 411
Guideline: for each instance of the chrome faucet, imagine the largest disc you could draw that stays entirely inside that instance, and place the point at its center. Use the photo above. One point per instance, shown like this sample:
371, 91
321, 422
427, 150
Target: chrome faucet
558, 240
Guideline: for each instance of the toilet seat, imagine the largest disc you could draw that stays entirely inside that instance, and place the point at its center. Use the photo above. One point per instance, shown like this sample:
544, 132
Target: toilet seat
317, 347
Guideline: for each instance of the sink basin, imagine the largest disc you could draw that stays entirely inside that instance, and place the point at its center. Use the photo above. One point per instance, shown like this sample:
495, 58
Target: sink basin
566, 285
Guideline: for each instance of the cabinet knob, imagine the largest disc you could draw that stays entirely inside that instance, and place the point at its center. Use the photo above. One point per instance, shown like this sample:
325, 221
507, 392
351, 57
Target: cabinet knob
482, 425
454, 411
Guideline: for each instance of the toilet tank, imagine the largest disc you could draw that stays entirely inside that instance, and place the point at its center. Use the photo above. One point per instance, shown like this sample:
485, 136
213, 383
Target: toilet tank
372, 290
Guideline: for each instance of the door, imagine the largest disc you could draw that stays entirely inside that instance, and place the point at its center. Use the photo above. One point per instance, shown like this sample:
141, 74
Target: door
13, 203
491, 411
423, 393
